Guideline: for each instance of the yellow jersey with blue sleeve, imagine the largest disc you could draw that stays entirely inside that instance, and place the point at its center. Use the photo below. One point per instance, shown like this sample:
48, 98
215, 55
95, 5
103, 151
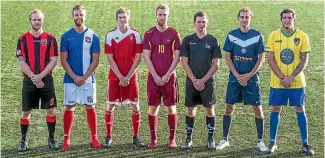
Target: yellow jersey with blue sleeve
287, 50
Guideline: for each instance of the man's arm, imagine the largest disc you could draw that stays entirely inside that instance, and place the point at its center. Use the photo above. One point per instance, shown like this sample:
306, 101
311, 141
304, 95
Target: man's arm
274, 67
26, 69
172, 67
134, 66
94, 64
256, 68
78, 80
231, 65
200, 84
188, 69
123, 80
286, 82
147, 60
50, 66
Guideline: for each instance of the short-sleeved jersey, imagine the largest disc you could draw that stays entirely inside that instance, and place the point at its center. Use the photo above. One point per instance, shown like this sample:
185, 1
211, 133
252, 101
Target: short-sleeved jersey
200, 53
79, 47
162, 46
124, 47
287, 50
244, 49
37, 50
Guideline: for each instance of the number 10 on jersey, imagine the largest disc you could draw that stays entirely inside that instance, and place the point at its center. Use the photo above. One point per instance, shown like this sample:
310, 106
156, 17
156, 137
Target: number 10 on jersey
161, 48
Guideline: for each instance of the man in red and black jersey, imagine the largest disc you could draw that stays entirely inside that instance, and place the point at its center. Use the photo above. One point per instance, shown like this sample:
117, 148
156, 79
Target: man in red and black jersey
37, 53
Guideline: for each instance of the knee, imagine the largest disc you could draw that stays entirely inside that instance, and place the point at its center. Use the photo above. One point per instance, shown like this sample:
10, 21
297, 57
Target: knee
25, 114
70, 108
153, 110
229, 110
50, 112
171, 110
110, 108
299, 109
191, 111
135, 108
258, 111
276, 108
210, 112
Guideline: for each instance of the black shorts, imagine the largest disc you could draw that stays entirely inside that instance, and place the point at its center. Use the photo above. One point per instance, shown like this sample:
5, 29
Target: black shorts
31, 94
206, 97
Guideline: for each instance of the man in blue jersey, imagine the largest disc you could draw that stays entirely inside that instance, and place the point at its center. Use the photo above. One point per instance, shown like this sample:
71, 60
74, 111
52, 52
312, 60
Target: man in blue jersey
244, 49
80, 50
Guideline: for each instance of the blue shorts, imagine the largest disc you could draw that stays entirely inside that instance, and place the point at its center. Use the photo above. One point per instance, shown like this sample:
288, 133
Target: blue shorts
250, 94
279, 97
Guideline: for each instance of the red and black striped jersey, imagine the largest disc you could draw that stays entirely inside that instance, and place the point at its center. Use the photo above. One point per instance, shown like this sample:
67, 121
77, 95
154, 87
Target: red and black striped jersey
37, 50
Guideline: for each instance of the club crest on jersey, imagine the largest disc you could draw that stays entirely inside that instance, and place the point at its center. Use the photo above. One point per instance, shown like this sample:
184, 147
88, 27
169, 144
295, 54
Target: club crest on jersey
87, 39
52, 102
243, 50
169, 38
297, 41
287, 56
131, 37
207, 46
90, 99
43, 41
18, 51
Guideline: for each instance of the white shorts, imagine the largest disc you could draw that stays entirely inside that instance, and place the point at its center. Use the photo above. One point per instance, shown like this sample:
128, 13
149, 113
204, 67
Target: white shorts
84, 95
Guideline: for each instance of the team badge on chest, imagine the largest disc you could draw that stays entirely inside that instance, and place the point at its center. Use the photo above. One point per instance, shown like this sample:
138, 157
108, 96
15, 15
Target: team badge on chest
131, 37
169, 38
88, 39
297, 41
243, 50
43, 41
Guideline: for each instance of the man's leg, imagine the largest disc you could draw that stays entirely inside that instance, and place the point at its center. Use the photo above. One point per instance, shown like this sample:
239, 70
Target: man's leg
153, 123
24, 124
259, 122
92, 123
172, 123
109, 122
68, 116
136, 118
210, 123
51, 123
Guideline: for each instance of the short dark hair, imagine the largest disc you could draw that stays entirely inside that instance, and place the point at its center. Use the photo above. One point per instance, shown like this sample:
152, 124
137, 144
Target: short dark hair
200, 14
122, 10
288, 10
77, 7
245, 9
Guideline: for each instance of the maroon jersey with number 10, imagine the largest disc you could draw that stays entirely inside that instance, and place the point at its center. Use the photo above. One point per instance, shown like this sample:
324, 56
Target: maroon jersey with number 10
162, 46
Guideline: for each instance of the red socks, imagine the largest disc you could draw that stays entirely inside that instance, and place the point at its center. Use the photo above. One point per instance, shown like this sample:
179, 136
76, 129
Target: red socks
136, 123
109, 121
172, 123
153, 123
67, 125
92, 122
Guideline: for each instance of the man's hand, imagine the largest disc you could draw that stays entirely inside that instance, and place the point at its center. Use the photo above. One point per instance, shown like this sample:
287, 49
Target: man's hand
286, 81
244, 79
199, 84
165, 79
79, 81
124, 81
158, 80
39, 84
36, 78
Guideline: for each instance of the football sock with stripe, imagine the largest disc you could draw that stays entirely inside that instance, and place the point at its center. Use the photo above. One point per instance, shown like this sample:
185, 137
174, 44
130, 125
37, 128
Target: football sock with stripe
172, 123
92, 122
109, 121
51, 122
303, 127
274, 124
226, 124
153, 123
189, 126
68, 117
210, 122
259, 127
136, 122
24, 124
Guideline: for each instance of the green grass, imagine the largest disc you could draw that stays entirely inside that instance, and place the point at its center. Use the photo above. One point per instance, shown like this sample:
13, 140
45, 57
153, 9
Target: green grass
101, 18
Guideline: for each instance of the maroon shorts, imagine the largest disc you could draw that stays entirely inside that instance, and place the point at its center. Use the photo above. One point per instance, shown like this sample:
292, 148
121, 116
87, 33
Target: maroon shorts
117, 95
168, 92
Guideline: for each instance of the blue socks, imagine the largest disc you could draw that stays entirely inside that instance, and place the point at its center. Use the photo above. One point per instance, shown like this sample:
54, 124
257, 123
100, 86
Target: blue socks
274, 124
303, 127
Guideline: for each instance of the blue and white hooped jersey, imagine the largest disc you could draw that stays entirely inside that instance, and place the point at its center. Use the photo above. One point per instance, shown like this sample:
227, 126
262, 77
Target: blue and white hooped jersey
244, 49
80, 47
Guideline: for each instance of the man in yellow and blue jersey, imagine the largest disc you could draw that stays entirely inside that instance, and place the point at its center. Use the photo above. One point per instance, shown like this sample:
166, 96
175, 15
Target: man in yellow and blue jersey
288, 49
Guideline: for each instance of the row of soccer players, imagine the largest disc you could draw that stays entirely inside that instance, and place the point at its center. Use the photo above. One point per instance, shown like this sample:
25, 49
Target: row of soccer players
200, 53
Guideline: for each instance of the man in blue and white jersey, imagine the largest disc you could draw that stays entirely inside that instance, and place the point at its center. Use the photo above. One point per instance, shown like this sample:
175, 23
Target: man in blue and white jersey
244, 49
80, 50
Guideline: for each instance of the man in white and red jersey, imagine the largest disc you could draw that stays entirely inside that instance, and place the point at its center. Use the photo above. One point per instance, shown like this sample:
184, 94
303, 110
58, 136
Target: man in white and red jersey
123, 47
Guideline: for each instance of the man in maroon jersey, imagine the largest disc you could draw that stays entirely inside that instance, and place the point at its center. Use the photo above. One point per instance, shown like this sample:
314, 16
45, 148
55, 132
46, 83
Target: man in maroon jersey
123, 47
37, 53
161, 48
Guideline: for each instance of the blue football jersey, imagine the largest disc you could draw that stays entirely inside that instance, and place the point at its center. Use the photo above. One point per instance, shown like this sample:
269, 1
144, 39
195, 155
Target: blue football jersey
79, 47
244, 49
